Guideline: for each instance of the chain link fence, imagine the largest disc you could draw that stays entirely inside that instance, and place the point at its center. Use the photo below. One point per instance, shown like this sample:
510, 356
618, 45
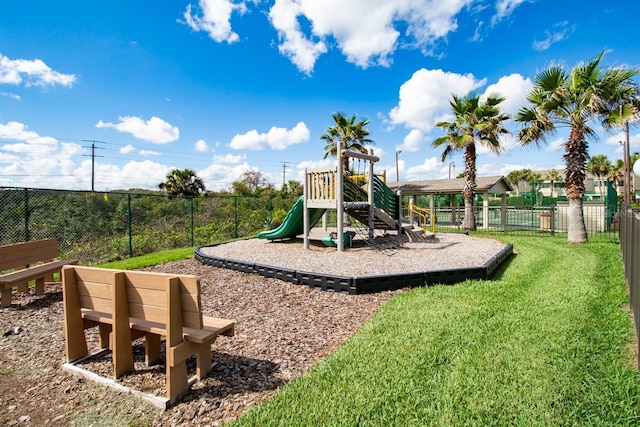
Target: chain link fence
106, 226
97, 227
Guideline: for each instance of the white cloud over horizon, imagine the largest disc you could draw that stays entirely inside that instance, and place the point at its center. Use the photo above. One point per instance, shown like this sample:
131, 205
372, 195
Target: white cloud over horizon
153, 130
276, 138
424, 98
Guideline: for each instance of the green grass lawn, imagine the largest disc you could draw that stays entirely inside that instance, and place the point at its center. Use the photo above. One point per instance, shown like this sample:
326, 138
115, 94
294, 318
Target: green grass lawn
149, 260
547, 342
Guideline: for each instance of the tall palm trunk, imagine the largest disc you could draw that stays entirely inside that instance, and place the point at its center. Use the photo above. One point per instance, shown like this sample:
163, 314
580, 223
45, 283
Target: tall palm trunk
575, 159
469, 189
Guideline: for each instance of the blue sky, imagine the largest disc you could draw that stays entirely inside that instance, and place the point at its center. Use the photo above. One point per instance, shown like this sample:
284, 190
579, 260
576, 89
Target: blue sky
223, 87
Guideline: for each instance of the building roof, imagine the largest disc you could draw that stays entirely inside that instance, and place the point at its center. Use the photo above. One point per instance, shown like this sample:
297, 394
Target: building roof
490, 184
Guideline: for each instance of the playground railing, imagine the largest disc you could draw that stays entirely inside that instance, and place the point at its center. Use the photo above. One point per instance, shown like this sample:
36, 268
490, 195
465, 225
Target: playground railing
424, 217
321, 187
385, 198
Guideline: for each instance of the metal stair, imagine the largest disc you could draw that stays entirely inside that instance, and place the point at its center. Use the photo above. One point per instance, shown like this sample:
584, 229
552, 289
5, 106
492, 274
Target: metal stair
416, 234
381, 220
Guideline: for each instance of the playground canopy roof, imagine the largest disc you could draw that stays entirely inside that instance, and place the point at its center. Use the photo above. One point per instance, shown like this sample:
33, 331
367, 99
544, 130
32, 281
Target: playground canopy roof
488, 184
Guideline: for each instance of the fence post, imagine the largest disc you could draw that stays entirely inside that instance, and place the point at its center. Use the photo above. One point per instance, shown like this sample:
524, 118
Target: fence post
553, 220
191, 212
504, 218
129, 223
26, 215
235, 217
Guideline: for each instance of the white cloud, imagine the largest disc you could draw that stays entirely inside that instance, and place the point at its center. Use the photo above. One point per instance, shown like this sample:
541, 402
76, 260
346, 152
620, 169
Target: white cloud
413, 141
219, 176
507, 143
201, 146
560, 31
11, 95
148, 153
504, 8
424, 98
28, 141
32, 160
31, 73
215, 18
373, 40
556, 144
514, 88
617, 139
432, 168
229, 158
277, 138
301, 50
127, 149
153, 130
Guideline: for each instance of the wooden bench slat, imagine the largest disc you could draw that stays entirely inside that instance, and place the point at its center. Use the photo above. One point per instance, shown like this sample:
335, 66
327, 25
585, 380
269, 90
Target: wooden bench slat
214, 326
32, 273
25, 253
153, 280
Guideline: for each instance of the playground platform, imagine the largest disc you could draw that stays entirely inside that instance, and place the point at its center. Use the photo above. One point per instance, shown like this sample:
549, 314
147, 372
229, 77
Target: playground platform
448, 258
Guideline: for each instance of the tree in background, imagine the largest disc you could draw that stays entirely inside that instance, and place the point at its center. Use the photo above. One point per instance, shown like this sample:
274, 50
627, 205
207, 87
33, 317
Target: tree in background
554, 176
475, 122
352, 135
514, 177
182, 182
574, 99
252, 182
600, 166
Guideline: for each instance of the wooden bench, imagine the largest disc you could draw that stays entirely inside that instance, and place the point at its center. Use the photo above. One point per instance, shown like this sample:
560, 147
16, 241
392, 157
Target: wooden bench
126, 305
20, 258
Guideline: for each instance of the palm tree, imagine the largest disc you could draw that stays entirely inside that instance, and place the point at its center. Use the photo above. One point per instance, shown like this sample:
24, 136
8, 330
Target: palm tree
599, 166
352, 134
553, 176
475, 122
536, 180
514, 177
182, 182
574, 99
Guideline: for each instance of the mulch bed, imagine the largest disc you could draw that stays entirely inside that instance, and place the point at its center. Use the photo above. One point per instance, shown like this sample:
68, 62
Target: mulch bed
282, 331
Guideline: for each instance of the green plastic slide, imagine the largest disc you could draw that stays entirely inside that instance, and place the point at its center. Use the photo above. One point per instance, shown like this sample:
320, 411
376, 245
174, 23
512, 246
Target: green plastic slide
293, 224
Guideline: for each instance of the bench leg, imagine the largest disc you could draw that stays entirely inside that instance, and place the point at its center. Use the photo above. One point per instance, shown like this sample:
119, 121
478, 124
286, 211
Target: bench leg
104, 331
6, 297
203, 361
23, 287
176, 379
40, 286
152, 349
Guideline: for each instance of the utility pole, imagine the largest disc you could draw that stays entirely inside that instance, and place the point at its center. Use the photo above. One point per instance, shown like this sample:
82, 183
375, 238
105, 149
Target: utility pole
284, 173
93, 158
397, 171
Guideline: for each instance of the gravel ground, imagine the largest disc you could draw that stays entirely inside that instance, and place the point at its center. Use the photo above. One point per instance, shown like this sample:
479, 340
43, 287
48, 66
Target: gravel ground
446, 250
282, 331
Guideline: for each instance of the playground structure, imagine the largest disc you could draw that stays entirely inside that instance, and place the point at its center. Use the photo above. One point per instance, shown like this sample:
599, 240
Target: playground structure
377, 208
